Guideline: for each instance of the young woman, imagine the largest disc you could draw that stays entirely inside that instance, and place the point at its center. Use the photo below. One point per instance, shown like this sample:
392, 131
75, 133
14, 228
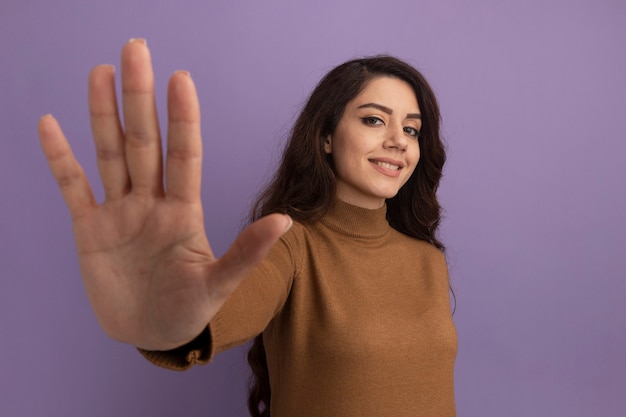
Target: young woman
346, 287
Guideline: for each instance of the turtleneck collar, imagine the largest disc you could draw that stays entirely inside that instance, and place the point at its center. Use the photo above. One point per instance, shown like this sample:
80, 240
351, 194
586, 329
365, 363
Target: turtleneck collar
356, 221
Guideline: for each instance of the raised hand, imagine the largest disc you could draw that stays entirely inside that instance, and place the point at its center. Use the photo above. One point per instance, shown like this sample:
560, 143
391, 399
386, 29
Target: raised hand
145, 260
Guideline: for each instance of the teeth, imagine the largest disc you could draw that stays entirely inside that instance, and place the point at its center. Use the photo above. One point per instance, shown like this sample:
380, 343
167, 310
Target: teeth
387, 165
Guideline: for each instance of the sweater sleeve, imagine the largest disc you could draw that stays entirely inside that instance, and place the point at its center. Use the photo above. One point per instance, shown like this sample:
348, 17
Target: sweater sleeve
246, 313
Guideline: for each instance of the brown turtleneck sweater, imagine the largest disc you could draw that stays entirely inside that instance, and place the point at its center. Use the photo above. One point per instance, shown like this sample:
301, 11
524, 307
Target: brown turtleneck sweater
355, 318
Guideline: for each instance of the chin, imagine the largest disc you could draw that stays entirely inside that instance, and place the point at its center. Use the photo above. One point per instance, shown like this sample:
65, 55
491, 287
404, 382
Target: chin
388, 195
390, 192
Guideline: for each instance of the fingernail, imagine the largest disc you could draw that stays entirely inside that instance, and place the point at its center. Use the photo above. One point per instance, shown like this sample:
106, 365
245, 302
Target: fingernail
111, 67
45, 116
140, 40
42, 127
187, 73
289, 222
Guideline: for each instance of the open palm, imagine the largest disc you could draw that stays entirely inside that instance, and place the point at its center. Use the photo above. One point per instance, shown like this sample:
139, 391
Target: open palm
145, 260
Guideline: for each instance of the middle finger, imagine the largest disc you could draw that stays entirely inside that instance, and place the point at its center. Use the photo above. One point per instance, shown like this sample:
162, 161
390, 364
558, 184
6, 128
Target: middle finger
143, 139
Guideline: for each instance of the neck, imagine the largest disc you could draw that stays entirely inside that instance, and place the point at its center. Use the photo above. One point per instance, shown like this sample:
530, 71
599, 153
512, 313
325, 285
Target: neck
357, 221
366, 203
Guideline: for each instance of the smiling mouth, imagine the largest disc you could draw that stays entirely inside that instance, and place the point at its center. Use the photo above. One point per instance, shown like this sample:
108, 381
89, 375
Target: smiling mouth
387, 165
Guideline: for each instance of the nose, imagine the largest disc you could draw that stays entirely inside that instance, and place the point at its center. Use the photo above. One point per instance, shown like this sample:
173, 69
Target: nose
396, 138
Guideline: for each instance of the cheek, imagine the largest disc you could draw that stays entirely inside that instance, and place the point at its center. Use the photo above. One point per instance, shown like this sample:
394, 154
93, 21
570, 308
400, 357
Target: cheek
343, 164
413, 160
345, 155
415, 154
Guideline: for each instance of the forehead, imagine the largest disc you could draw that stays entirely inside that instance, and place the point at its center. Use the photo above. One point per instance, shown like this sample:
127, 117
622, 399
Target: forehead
388, 91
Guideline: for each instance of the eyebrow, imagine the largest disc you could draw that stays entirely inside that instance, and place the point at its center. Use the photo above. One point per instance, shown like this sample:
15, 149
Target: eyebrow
388, 110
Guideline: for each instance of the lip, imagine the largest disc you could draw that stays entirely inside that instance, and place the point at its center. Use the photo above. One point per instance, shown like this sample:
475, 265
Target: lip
387, 171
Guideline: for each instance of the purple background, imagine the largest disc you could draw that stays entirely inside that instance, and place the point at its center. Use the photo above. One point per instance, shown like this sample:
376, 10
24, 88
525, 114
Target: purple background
532, 94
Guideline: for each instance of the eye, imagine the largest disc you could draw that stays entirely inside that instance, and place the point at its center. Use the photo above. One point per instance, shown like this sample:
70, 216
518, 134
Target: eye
372, 121
411, 131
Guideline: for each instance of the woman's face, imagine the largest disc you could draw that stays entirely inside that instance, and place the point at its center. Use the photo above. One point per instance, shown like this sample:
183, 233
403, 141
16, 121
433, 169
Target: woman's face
375, 147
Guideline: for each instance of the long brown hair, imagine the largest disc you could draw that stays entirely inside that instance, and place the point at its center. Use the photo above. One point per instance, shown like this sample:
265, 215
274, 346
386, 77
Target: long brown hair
304, 184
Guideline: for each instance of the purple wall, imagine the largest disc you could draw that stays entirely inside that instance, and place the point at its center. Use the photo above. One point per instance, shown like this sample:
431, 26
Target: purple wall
535, 191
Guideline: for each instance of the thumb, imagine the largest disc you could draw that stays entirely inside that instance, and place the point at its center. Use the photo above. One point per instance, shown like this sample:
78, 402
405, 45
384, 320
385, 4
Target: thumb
251, 247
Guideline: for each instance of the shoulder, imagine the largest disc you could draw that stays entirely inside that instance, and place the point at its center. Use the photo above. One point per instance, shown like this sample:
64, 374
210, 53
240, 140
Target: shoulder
295, 236
421, 248
292, 245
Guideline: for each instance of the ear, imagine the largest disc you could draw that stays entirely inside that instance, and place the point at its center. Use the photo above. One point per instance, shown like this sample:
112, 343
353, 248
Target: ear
328, 148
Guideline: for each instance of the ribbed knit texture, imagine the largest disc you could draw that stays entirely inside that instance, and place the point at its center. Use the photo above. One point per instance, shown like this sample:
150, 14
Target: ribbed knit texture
355, 318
